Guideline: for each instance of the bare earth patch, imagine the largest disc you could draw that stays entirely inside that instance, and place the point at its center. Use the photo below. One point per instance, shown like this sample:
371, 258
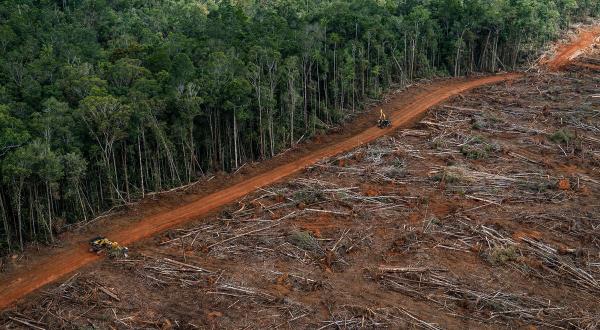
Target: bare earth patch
485, 215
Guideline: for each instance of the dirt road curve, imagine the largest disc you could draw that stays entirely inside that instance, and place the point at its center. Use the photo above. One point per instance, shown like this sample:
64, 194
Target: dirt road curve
50, 270
567, 52
47, 270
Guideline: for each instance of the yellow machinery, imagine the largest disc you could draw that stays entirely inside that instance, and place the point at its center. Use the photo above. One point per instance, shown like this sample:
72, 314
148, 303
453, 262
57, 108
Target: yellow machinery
112, 249
383, 122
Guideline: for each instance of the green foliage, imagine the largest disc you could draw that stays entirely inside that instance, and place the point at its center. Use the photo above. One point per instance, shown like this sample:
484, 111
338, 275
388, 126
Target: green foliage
182, 69
309, 196
12, 132
486, 121
103, 101
304, 240
501, 255
562, 136
478, 148
447, 176
536, 186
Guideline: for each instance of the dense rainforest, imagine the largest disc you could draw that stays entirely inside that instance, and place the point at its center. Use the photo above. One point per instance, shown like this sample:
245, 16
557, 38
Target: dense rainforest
103, 101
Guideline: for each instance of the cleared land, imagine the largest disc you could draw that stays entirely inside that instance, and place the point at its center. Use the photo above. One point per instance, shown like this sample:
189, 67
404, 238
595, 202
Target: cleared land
569, 51
53, 267
484, 215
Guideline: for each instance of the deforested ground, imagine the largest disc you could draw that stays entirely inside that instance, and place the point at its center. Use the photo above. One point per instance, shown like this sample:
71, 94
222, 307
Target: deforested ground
484, 215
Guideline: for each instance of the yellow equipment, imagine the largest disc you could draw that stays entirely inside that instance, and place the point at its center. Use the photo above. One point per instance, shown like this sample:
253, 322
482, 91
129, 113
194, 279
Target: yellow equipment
383, 122
113, 249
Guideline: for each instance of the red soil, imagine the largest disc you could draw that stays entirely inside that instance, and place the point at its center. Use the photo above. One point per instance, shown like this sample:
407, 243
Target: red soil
49, 269
567, 52
54, 266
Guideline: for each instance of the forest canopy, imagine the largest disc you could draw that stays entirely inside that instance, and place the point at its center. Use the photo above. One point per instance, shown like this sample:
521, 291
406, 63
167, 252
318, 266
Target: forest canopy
104, 101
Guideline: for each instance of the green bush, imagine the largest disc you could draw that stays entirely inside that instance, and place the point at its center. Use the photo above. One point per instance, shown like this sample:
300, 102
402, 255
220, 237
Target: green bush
447, 177
562, 136
309, 196
304, 240
503, 255
478, 148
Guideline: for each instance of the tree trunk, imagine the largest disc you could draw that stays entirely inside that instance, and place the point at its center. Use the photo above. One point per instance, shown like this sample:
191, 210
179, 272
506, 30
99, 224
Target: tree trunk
235, 146
19, 215
126, 172
292, 109
5, 223
48, 199
141, 166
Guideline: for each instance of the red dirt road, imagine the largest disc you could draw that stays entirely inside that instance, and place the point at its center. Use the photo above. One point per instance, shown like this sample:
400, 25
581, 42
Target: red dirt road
49, 269
61, 264
567, 52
